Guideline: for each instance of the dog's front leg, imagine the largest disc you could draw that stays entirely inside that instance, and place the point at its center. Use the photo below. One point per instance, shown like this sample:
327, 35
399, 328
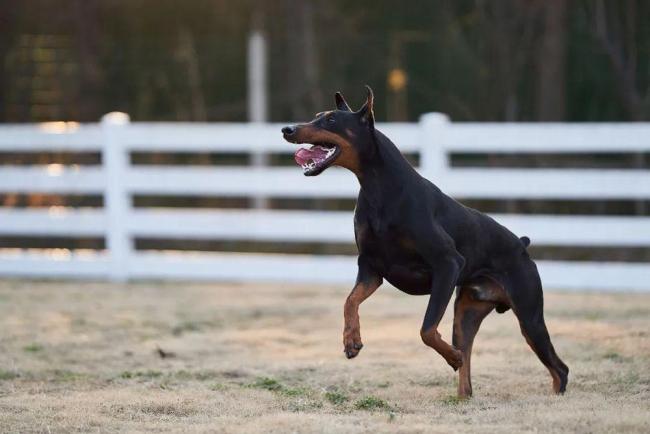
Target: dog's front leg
367, 282
445, 276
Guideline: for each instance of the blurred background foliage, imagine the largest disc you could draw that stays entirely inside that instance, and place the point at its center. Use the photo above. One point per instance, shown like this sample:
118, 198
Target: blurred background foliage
508, 60
475, 60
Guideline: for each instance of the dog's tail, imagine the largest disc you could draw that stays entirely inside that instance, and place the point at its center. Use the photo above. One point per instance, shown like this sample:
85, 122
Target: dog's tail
525, 241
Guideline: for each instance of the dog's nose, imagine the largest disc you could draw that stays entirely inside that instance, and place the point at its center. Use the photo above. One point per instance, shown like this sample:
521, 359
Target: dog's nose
288, 130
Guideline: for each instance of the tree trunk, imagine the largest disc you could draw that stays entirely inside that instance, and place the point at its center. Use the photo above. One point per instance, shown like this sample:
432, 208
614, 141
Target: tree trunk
303, 72
88, 35
620, 47
186, 54
551, 96
6, 10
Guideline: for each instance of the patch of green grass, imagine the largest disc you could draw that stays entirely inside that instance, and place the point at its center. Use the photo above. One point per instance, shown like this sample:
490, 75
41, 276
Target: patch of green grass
169, 378
273, 385
218, 387
267, 383
615, 357
8, 375
184, 327
33, 348
453, 400
67, 375
149, 374
294, 391
336, 397
203, 375
594, 316
193, 326
371, 403
183, 375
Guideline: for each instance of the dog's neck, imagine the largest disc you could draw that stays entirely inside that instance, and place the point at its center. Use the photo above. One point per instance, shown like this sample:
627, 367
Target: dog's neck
386, 173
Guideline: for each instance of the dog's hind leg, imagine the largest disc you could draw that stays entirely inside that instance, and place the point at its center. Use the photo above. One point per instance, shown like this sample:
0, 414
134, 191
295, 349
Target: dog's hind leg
469, 312
527, 301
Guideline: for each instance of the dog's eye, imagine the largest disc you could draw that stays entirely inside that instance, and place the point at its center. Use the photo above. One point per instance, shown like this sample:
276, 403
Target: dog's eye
330, 119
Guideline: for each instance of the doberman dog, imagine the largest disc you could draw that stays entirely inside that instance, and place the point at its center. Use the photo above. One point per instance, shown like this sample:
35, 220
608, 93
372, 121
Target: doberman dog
423, 242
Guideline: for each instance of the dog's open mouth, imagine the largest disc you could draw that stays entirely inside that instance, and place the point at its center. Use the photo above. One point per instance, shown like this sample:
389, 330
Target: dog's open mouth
317, 157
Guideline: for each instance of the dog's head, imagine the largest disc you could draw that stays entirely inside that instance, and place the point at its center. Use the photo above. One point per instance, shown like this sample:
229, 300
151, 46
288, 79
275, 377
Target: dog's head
340, 137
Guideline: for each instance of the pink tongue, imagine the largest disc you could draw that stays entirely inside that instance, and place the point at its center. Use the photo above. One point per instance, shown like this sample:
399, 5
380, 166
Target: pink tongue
315, 153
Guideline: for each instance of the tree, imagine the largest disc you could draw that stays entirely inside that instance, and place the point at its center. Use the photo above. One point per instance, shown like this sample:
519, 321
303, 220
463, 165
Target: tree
551, 88
614, 25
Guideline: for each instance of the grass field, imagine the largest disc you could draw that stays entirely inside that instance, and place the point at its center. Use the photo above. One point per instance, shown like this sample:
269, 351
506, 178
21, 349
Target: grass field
250, 358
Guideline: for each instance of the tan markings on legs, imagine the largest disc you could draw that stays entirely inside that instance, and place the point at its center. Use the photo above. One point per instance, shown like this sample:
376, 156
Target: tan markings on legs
352, 329
554, 374
556, 381
468, 315
433, 339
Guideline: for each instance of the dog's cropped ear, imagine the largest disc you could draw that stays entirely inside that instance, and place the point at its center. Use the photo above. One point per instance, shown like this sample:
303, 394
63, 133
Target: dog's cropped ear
340, 103
366, 112
525, 241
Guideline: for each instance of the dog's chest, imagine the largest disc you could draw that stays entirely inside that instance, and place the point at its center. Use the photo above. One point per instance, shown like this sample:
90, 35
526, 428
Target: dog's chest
393, 251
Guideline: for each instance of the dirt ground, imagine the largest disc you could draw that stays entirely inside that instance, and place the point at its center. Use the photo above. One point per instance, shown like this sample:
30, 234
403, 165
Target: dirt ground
269, 358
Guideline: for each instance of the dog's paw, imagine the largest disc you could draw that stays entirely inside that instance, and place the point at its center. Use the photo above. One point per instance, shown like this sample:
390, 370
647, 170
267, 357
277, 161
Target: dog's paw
455, 359
352, 349
352, 342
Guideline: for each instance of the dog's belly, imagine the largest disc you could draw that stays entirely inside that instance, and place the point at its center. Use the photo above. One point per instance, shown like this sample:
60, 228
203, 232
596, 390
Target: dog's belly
398, 262
412, 280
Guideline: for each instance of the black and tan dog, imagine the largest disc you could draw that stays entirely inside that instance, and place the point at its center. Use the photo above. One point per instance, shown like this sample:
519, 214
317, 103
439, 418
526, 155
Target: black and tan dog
425, 243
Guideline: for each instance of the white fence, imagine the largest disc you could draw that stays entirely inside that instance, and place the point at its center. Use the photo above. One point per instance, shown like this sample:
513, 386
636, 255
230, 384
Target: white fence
434, 138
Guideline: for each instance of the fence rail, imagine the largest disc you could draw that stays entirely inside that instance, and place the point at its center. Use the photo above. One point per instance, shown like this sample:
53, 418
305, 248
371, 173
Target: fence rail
435, 139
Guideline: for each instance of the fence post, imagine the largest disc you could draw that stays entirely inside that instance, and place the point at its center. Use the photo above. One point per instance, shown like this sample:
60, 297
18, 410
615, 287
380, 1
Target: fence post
434, 160
115, 159
257, 98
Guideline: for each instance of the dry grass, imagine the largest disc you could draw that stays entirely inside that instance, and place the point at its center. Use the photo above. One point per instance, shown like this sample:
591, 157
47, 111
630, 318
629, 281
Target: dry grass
250, 358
